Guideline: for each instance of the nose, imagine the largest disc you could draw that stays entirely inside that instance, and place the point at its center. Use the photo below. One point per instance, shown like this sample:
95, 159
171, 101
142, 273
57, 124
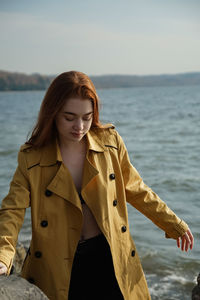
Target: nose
78, 125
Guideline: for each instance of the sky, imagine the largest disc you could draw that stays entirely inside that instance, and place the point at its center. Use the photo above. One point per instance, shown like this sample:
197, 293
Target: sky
97, 37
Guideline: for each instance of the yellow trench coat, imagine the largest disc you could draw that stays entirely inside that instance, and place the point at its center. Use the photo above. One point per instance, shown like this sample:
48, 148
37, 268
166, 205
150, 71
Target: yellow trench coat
43, 182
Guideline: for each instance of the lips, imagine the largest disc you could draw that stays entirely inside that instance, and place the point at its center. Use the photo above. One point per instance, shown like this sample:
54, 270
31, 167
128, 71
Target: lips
77, 134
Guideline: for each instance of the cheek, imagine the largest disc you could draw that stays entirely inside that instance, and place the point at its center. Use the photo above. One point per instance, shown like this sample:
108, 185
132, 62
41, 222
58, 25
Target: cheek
89, 124
61, 125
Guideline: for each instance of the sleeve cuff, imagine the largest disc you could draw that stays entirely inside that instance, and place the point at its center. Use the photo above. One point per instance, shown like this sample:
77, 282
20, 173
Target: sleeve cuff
7, 261
179, 230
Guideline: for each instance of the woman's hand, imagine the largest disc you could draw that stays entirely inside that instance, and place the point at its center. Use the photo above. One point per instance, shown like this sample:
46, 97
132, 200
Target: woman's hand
187, 241
3, 268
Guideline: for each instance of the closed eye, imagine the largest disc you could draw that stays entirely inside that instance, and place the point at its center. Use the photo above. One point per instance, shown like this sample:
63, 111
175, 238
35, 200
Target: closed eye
86, 117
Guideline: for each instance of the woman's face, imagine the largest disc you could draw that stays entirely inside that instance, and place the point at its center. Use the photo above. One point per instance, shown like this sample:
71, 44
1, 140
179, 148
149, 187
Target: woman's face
74, 120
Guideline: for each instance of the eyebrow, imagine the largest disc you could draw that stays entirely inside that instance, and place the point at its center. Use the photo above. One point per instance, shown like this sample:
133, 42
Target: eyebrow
73, 114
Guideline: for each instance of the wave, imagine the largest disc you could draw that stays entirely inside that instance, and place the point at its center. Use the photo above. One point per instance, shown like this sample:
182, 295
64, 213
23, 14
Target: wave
170, 286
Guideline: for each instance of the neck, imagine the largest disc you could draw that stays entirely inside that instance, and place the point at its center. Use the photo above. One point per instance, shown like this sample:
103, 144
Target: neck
73, 146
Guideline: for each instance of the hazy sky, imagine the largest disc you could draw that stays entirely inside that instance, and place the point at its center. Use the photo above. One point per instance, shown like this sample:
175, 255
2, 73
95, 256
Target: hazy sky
100, 36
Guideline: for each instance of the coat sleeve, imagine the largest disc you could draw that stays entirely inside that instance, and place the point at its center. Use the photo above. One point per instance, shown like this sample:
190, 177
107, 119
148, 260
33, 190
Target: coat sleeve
139, 195
12, 212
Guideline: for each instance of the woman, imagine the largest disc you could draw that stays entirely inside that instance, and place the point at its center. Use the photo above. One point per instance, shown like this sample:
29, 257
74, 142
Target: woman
76, 175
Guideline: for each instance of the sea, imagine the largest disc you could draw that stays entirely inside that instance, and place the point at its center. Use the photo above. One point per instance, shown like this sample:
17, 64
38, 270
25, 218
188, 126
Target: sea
161, 129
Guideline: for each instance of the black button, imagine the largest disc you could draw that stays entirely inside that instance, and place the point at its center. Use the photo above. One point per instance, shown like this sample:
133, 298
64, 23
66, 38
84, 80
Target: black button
38, 254
133, 253
44, 223
31, 280
48, 193
115, 202
112, 176
123, 228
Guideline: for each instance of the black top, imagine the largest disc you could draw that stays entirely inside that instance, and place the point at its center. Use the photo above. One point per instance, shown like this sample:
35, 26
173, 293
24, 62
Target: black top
81, 198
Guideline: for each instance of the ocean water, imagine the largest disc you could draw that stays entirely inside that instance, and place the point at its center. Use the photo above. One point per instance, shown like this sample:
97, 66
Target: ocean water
161, 129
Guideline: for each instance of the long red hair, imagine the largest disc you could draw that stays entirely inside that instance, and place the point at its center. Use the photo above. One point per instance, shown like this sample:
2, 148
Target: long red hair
67, 85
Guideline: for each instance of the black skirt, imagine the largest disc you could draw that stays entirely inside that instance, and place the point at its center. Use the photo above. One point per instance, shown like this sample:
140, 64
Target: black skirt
93, 276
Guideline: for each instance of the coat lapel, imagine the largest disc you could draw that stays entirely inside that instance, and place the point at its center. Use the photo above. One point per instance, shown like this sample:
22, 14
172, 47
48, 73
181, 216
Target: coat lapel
63, 186
95, 146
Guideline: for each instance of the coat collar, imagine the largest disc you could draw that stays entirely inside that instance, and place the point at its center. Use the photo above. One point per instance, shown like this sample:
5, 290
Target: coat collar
51, 153
94, 142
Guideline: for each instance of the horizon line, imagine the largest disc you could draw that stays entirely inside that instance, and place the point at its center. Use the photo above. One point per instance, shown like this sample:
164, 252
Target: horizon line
104, 74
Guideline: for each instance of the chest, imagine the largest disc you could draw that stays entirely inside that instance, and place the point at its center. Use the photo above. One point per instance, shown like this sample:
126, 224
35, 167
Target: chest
75, 165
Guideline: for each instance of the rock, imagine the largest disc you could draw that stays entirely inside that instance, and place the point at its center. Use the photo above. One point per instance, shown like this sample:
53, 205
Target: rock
196, 290
14, 287
20, 255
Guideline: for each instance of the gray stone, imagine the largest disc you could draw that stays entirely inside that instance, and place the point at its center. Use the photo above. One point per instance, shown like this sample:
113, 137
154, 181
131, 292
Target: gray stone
19, 258
14, 287
196, 290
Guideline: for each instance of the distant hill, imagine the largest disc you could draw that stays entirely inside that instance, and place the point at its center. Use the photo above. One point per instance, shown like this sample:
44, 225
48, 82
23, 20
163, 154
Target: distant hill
107, 81
21, 82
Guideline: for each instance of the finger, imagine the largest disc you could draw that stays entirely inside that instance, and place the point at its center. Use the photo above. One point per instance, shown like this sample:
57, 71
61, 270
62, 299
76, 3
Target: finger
187, 241
183, 243
3, 270
178, 242
191, 239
